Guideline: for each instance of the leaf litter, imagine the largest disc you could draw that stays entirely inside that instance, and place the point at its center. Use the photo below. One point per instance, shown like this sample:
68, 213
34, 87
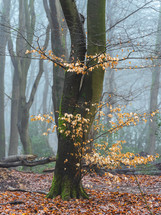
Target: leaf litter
109, 194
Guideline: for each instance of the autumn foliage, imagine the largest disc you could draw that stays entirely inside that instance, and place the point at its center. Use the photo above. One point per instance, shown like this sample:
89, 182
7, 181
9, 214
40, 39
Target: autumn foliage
77, 127
111, 194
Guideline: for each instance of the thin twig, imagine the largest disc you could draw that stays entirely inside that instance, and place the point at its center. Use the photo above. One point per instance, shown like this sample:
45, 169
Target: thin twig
143, 195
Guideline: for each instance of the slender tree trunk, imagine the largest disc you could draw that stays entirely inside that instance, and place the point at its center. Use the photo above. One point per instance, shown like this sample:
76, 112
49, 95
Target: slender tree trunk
23, 67
3, 43
2, 124
151, 140
58, 50
23, 129
153, 107
13, 146
26, 30
45, 93
110, 73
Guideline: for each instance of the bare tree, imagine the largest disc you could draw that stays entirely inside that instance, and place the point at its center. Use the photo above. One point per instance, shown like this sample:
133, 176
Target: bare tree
3, 42
21, 65
151, 137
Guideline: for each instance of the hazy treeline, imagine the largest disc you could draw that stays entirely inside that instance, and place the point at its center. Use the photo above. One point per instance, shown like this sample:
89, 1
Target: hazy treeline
30, 85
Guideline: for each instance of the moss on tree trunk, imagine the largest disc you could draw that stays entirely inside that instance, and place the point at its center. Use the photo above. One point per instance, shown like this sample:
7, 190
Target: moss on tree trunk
67, 177
66, 188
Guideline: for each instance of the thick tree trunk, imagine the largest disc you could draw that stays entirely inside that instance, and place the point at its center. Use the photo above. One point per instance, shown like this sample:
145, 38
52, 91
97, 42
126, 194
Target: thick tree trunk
92, 86
67, 177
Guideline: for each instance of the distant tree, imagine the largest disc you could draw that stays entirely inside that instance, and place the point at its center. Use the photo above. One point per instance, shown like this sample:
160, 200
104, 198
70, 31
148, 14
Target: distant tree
4, 16
21, 65
155, 84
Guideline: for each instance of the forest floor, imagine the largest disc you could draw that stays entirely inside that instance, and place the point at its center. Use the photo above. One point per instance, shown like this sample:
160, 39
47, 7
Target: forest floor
109, 194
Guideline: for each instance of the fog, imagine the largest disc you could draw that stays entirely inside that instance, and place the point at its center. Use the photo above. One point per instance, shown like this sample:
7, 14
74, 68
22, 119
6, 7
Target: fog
133, 33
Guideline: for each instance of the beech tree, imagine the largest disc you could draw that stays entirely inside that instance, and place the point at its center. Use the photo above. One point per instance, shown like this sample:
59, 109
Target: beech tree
80, 101
78, 91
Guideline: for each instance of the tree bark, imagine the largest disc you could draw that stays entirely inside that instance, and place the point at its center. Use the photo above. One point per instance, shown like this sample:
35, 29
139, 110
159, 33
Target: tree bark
21, 65
67, 180
3, 43
24, 160
27, 21
67, 177
45, 93
151, 139
13, 145
58, 49
110, 73
92, 85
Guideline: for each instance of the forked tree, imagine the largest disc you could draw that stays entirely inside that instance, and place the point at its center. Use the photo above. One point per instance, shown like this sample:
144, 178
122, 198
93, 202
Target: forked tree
80, 92
22, 105
80, 101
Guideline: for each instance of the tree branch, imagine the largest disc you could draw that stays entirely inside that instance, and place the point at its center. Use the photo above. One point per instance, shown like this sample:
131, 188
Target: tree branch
24, 162
41, 70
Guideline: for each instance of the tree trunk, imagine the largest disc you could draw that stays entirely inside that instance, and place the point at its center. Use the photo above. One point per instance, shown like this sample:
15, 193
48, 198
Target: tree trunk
110, 73
13, 146
2, 124
58, 50
67, 177
45, 107
3, 43
22, 64
153, 107
151, 140
23, 128
92, 85
27, 22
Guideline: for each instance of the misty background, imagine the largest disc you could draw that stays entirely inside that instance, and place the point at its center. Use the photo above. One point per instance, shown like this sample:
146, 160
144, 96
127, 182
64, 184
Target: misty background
27, 82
